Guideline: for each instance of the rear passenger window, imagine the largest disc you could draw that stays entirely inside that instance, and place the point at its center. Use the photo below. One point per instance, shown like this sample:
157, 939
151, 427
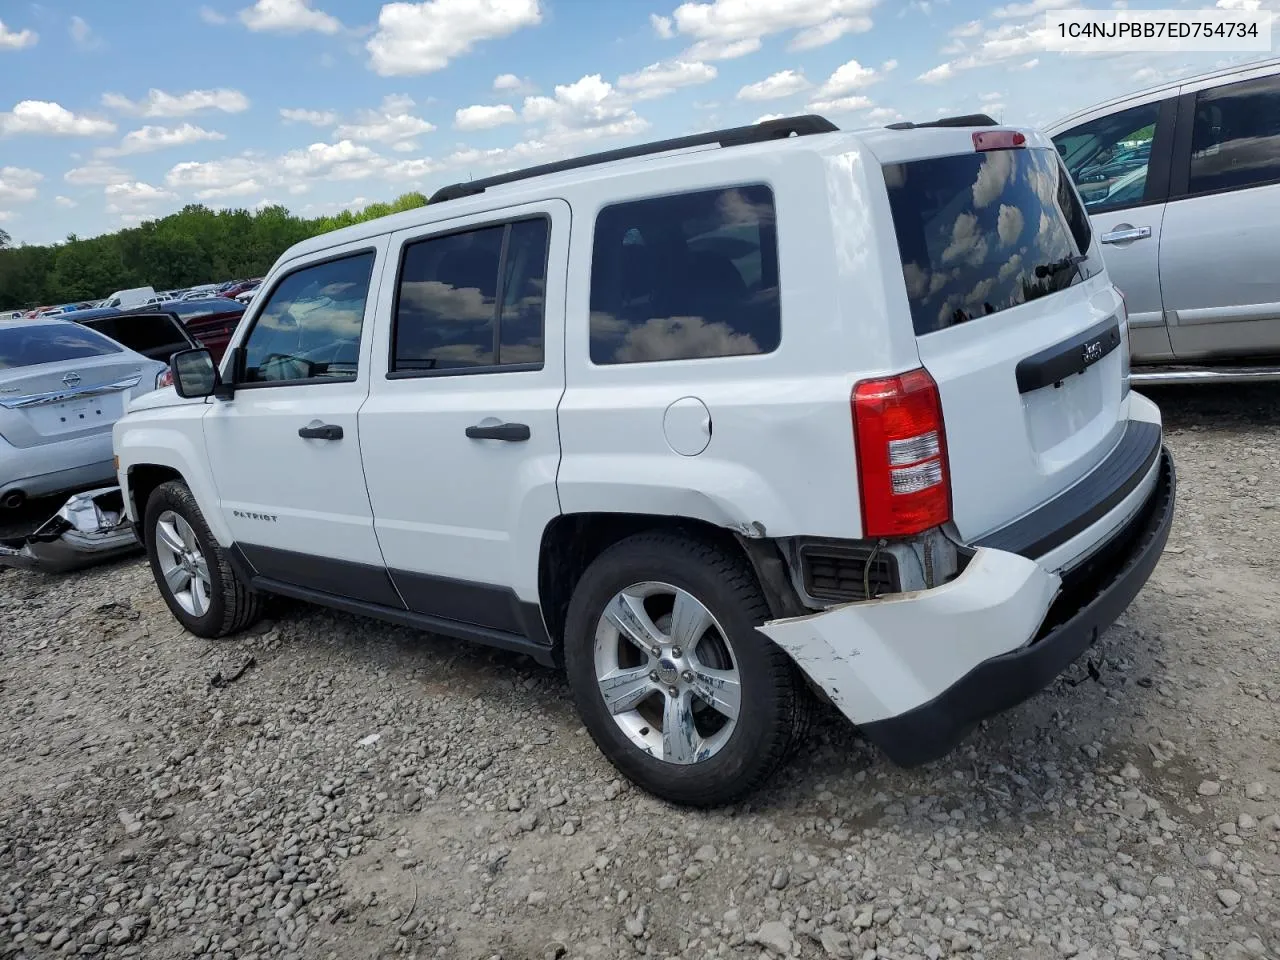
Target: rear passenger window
686, 277
1108, 157
1235, 141
472, 300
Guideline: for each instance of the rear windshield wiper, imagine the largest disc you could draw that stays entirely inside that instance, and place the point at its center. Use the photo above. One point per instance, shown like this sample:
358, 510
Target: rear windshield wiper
1057, 266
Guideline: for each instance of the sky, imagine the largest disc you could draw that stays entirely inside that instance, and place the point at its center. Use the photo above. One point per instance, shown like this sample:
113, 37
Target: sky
117, 111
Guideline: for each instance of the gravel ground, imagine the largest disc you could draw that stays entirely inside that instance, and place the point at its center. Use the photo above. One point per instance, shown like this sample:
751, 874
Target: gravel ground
360, 790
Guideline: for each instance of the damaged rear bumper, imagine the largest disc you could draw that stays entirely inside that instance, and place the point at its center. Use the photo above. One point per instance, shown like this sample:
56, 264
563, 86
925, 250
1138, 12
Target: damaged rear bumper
917, 672
89, 528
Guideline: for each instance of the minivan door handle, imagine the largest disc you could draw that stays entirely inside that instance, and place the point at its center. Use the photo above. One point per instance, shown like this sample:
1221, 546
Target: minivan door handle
512, 432
320, 431
1126, 234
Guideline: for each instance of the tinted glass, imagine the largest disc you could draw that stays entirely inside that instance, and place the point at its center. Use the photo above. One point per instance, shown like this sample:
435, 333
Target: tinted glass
685, 277
196, 308
980, 233
152, 336
1235, 141
1108, 157
448, 301
28, 346
524, 286
310, 328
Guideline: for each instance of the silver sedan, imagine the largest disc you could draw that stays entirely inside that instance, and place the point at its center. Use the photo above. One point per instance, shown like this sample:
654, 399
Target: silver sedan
62, 387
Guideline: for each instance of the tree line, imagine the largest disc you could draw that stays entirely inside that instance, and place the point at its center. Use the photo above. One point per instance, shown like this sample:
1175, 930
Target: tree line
195, 245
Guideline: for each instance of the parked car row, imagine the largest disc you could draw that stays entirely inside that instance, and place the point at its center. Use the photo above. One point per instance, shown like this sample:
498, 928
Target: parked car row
240, 290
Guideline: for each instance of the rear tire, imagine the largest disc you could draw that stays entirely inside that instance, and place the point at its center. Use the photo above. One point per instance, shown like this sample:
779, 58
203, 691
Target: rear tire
197, 581
676, 724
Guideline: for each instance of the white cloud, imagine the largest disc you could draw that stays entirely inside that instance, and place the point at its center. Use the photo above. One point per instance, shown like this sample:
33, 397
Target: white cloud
6, 215
660, 79
288, 16
18, 184
482, 117
64, 201
727, 28
1016, 10
943, 71
583, 110
883, 115
133, 195
1248, 5
161, 104
16, 39
784, 83
1027, 65
828, 32
997, 167
1009, 224
52, 119
510, 83
415, 38
149, 138
840, 105
970, 29
212, 17
391, 123
765, 118
95, 175
849, 77
662, 26
317, 118
241, 189
82, 34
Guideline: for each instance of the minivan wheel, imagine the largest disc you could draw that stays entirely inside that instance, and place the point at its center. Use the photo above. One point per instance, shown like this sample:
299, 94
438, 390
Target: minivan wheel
195, 578
671, 677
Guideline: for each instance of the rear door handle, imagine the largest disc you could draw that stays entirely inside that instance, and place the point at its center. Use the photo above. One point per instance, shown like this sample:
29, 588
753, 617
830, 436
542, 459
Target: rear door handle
320, 431
513, 432
1126, 234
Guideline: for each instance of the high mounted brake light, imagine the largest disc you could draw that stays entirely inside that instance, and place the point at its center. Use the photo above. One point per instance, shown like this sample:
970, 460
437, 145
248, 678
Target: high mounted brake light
902, 455
998, 140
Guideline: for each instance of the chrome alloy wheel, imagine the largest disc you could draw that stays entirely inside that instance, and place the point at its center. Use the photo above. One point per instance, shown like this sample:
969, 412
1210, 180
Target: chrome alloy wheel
667, 673
183, 566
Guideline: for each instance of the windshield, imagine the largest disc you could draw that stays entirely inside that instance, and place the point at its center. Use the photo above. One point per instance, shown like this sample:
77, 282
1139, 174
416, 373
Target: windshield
29, 346
982, 232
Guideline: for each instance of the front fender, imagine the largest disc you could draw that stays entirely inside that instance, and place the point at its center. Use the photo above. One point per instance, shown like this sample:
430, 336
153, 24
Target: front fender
174, 439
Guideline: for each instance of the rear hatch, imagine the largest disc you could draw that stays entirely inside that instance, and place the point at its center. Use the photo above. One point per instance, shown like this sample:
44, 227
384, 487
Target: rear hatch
1014, 317
59, 381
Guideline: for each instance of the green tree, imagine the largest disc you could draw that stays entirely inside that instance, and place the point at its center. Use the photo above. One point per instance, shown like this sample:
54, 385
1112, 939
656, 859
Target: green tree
194, 245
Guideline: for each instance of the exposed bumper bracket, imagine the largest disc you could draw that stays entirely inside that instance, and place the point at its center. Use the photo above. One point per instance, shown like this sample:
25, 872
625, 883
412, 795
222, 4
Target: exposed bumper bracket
91, 527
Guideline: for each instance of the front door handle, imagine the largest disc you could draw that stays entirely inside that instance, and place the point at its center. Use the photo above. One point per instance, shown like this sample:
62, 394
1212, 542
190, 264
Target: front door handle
513, 432
1126, 234
320, 431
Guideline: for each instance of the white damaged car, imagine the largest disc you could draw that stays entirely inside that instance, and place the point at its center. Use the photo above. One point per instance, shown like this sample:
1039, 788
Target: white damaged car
710, 423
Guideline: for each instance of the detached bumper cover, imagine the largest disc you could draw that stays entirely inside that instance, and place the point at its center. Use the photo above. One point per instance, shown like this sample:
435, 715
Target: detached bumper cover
91, 527
876, 659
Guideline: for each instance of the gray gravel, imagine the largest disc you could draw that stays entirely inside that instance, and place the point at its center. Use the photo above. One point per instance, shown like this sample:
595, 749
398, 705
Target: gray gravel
364, 791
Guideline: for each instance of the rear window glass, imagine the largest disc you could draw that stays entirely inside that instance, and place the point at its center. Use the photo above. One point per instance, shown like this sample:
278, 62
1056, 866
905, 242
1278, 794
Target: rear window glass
146, 333
29, 346
980, 233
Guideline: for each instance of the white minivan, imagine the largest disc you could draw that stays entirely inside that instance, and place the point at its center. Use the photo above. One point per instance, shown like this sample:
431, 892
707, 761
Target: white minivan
713, 424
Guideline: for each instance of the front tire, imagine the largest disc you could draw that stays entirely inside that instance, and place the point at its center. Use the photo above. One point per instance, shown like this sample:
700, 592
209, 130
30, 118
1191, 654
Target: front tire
671, 677
191, 569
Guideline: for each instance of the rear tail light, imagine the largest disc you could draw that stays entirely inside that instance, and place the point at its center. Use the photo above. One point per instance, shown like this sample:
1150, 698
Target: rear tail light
998, 140
902, 455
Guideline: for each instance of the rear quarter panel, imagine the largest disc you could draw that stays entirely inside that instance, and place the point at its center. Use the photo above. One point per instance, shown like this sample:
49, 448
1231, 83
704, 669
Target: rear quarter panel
780, 460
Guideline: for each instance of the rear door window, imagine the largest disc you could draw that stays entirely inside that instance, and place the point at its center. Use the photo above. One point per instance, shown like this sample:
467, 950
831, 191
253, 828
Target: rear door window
1235, 140
982, 232
29, 346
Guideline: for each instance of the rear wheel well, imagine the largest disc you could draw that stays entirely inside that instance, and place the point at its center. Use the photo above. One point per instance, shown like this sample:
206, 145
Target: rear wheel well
143, 479
572, 541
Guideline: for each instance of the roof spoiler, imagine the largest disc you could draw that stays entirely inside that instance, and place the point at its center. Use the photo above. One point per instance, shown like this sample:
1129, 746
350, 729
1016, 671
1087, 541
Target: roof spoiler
965, 120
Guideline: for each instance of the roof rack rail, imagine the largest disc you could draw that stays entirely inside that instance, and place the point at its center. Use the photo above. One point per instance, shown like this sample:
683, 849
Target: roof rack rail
967, 120
732, 137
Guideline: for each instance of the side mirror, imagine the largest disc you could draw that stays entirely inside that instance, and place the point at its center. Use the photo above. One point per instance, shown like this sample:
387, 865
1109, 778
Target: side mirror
194, 373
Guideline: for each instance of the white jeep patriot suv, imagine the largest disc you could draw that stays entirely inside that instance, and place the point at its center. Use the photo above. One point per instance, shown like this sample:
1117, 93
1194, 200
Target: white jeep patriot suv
712, 423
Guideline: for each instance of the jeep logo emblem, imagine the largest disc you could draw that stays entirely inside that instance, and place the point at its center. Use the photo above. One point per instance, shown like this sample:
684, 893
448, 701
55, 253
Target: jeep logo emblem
1092, 351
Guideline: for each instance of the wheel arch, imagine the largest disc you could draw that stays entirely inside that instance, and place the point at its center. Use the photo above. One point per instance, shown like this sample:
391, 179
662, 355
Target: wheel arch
572, 541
